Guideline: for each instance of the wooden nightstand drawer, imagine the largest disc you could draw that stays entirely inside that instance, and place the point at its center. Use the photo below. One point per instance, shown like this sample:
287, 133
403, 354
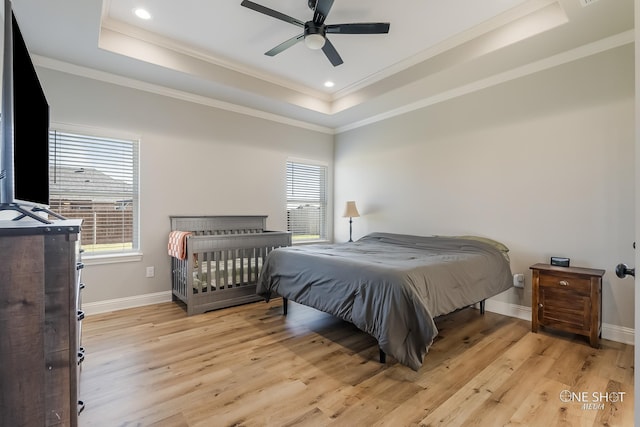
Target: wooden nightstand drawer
569, 283
568, 299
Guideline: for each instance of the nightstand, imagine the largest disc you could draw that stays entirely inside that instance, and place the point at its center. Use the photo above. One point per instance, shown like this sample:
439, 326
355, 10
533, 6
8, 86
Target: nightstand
568, 299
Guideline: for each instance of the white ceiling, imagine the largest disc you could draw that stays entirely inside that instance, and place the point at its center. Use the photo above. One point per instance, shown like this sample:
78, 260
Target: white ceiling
213, 51
226, 31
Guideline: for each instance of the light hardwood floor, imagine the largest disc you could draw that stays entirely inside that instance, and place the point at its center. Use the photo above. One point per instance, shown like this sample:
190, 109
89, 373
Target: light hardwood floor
250, 366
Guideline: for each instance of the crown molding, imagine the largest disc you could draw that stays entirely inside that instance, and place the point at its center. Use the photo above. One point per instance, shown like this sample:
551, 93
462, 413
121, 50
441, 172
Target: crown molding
106, 77
590, 49
599, 46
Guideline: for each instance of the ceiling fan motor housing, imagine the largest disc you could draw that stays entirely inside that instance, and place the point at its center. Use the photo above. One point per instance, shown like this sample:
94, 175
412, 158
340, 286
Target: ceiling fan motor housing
314, 35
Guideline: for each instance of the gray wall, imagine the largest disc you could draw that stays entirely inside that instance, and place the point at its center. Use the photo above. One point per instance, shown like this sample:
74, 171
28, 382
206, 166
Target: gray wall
544, 164
194, 160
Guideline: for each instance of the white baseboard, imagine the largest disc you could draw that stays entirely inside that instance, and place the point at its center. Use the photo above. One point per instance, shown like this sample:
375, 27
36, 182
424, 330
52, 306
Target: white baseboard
508, 309
609, 332
128, 302
618, 333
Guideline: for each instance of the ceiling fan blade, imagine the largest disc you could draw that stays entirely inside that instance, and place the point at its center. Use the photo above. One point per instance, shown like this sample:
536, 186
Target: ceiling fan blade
284, 45
363, 28
270, 12
321, 11
331, 53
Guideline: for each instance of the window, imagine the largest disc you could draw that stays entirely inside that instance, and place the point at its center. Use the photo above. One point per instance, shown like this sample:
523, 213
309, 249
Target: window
96, 179
306, 201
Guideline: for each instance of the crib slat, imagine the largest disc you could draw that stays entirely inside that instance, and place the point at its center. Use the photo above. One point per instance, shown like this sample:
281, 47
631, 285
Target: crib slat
258, 253
207, 271
234, 267
218, 281
226, 269
243, 256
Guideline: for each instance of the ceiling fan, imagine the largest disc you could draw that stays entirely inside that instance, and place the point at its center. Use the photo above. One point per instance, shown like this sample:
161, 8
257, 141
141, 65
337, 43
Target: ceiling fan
315, 31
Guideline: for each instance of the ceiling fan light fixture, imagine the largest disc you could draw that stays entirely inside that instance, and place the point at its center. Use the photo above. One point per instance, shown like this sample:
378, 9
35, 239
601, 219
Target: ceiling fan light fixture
314, 41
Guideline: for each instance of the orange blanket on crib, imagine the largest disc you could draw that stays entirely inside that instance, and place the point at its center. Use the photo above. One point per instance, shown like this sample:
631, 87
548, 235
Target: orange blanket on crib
177, 246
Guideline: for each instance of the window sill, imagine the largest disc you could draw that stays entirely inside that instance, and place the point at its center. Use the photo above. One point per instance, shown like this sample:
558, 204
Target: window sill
95, 259
309, 242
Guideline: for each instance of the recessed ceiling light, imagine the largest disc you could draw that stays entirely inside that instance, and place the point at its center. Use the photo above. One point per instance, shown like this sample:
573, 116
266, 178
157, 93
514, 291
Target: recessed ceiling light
329, 83
142, 13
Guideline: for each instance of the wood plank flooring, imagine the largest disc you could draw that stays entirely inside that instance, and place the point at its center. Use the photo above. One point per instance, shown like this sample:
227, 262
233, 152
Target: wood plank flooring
251, 366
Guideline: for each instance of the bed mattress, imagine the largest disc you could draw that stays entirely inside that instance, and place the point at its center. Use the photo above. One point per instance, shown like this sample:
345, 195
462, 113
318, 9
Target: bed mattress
391, 286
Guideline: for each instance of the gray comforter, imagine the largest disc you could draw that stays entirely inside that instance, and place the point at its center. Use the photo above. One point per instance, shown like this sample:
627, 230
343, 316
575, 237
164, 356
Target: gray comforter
389, 285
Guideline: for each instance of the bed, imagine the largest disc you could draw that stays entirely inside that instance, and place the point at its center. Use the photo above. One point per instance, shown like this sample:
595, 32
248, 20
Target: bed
391, 286
216, 260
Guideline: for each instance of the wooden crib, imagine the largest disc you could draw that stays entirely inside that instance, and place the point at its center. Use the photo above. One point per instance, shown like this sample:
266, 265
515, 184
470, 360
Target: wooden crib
224, 256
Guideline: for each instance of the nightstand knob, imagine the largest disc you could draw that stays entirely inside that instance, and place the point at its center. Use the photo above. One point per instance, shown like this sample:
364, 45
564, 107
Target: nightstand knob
564, 283
540, 305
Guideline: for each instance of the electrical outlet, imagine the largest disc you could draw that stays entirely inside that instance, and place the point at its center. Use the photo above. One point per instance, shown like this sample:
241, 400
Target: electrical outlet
518, 280
151, 271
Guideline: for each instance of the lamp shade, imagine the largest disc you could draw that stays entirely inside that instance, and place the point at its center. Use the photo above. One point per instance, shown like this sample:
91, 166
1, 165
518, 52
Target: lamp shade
350, 210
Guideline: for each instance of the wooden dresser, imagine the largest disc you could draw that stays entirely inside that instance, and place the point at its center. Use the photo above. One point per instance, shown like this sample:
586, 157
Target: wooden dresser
40, 318
567, 299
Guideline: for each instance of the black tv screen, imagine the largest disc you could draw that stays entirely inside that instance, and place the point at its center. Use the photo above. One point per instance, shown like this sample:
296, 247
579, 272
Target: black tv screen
24, 148
30, 127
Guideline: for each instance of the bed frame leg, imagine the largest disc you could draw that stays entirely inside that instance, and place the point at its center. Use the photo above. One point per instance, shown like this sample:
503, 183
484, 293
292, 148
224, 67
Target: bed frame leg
482, 307
285, 304
383, 356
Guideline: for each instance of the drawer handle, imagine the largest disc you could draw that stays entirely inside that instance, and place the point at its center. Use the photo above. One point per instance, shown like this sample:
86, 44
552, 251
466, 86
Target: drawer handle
540, 305
564, 283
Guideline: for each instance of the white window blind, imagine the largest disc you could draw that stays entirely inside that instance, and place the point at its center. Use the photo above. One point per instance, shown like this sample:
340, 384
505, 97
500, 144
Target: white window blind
96, 179
306, 201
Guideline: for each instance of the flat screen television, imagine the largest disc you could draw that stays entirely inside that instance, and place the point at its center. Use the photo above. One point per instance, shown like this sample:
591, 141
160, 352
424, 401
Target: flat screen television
24, 122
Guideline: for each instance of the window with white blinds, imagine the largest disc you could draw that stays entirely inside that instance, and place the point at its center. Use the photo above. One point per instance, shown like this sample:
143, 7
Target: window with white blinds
306, 201
96, 179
